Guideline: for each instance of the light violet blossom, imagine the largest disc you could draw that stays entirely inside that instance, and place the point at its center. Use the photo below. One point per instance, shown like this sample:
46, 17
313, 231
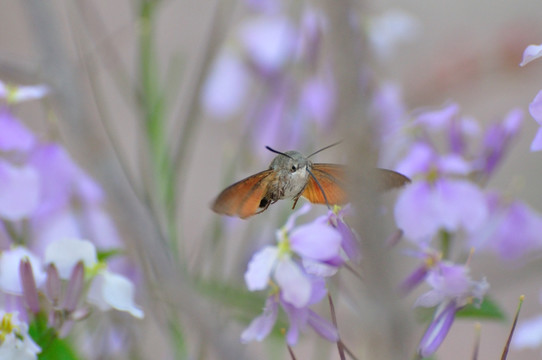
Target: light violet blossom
437, 202
452, 290
315, 241
512, 229
299, 318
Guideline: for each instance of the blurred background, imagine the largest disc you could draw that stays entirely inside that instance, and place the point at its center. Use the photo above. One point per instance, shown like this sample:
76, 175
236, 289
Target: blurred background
121, 70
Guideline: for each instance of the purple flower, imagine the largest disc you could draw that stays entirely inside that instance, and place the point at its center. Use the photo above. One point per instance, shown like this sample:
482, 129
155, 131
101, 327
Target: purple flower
512, 230
269, 42
226, 87
14, 135
452, 289
528, 334
531, 53
19, 191
298, 318
497, 140
315, 241
535, 109
350, 239
436, 202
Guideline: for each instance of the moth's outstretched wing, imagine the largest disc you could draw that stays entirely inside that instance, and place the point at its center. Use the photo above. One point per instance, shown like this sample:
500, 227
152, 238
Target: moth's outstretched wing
243, 198
389, 179
332, 179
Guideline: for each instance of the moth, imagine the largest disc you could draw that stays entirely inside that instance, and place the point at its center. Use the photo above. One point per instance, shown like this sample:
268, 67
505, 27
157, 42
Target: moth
291, 176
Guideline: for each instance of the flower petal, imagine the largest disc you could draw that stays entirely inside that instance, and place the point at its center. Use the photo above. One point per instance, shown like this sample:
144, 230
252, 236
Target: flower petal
19, 191
66, 253
259, 268
535, 108
295, 286
261, 326
531, 53
315, 241
115, 291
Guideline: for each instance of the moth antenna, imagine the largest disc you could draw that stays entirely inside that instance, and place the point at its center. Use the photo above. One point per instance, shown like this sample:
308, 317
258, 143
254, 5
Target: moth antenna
320, 187
324, 148
278, 152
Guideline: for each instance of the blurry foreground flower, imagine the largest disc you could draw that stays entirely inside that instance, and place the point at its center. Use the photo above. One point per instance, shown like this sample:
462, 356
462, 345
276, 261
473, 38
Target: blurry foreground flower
15, 342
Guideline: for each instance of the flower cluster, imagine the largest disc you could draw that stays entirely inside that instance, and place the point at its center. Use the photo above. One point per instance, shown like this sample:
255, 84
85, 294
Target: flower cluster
48, 204
450, 159
295, 271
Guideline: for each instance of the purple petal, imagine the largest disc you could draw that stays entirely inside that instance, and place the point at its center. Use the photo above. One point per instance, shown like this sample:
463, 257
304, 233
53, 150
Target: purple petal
414, 211
318, 100
437, 331
293, 217
536, 144
323, 327
317, 268
19, 191
414, 279
528, 334
531, 53
350, 241
535, 108
269, 41
259, 268
294, 284
418, 160
226, 87
14, 135
261, 326
30, 290
439, 119
297, 319
459, 203
316, 241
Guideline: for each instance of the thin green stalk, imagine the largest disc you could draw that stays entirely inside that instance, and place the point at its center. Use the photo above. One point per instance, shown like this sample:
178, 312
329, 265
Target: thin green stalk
153, 108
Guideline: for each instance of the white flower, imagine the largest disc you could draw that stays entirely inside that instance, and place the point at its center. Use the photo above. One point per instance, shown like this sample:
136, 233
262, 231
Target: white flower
16, 343
109, 290
10, 279
66, 253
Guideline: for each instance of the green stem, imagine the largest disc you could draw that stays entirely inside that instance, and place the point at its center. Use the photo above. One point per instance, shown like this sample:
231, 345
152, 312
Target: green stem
445, 243
153, 108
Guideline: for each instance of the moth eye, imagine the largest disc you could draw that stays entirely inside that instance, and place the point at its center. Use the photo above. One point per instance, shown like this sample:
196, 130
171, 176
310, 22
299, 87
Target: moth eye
294, 168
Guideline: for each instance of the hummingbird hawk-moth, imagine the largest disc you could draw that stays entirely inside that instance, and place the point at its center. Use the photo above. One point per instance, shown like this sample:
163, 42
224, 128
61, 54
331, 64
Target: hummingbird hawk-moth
290, 176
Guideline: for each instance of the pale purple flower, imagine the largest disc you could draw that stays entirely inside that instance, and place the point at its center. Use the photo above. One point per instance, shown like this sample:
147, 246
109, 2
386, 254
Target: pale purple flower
14, 136
512, 229
315, 241
452, 289
497, 140
535, 109
437, 202
269, 42
528, 334
226, 88
19, 191
318, 100
350, 239
262, 325
531, 52
299, 318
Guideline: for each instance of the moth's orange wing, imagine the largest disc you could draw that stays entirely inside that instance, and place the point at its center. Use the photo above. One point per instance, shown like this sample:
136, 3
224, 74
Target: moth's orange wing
331, 178
243, 198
